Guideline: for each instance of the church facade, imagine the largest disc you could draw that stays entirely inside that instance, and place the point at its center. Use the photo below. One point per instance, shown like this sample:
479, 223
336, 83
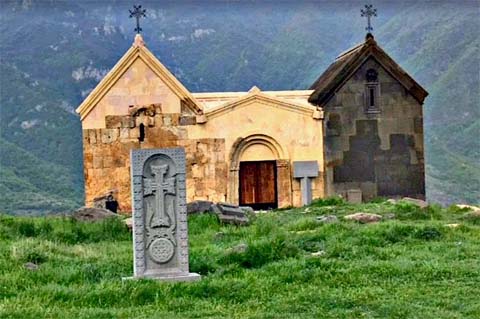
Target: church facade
361, 123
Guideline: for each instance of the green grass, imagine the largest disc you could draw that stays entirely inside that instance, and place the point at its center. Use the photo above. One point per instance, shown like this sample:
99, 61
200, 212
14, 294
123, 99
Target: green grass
410, 267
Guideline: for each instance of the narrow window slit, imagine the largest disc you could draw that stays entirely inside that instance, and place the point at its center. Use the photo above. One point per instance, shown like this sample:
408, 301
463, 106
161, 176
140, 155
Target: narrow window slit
372, 91
141, 138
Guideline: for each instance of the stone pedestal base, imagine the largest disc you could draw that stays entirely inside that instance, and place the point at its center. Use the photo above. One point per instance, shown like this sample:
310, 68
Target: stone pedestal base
168, 277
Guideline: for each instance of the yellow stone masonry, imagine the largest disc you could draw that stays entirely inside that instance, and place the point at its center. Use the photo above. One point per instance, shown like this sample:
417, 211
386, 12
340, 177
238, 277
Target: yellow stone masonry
217, 130
370, 142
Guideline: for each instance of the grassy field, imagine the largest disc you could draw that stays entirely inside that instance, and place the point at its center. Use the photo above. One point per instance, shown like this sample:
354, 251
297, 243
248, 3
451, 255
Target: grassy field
413, 266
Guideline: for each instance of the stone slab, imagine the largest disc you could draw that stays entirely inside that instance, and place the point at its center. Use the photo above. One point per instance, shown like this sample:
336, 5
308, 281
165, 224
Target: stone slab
303, 169
354, 196
306, 188
226, 219
160, 230
230, 214
231, 210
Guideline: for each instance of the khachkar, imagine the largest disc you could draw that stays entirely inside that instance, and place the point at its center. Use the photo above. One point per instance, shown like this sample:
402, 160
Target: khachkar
160, 233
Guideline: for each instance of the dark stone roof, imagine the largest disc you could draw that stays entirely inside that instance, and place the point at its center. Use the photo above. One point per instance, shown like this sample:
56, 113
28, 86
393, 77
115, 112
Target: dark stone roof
348, 62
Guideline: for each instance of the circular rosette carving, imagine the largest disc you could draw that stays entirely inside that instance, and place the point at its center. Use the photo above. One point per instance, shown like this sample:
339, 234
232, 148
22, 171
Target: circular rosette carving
161, 250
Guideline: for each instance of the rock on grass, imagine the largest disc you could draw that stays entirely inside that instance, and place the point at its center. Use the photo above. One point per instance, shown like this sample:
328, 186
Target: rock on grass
129, 223
92, 214
420, 203
364, 218
31, 266
327, 219
472, 208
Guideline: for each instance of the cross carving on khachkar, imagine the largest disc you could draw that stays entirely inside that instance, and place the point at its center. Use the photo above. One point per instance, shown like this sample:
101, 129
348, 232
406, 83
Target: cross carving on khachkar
159, 186
369, 12
138, 13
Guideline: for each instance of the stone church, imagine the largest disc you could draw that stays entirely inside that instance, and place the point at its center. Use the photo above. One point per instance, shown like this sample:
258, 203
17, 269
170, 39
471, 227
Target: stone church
358, 130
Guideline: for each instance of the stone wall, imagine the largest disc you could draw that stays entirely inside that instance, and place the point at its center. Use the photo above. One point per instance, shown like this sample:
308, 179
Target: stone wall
263, 130
107, 158
255, 126
379, 151
138, 85
107, 155
213, 150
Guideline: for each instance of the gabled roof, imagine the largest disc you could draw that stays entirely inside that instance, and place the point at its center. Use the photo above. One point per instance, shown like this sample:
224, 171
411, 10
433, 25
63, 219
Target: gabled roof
348, 62
137, 51
255, 94
212, 100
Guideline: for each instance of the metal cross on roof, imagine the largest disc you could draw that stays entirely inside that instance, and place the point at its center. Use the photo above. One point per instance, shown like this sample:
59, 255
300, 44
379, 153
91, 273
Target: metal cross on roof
369, 12
138, 13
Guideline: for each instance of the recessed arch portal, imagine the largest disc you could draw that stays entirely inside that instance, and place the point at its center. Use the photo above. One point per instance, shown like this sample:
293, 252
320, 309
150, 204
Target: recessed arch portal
242, 145
258, 148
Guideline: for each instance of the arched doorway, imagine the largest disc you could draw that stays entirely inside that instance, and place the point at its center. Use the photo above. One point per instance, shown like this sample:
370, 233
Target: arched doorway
257, 164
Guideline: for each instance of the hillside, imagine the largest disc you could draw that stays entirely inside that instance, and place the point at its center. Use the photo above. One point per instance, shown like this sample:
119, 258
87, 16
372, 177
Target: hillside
52, 53
286, 264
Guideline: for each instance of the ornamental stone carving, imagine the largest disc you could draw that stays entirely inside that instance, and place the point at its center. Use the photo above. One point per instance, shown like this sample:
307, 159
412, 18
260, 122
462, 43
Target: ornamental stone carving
160, 232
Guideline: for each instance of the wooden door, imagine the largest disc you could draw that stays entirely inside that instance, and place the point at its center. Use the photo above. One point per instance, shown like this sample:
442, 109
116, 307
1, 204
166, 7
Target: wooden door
258, 187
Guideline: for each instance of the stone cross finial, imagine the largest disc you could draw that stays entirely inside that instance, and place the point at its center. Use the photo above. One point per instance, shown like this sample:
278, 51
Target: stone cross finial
369, 12
138, 13
138, 40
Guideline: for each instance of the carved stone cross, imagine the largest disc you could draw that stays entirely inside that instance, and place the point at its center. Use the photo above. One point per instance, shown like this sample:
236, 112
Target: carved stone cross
160, 229
138, 13
369, 12
159, 186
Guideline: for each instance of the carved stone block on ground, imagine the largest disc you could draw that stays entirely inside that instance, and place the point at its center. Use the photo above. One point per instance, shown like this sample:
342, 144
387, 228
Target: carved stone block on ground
160, 233
230, 214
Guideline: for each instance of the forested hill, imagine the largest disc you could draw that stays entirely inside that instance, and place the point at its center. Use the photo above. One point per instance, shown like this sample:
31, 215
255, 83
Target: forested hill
53, 53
